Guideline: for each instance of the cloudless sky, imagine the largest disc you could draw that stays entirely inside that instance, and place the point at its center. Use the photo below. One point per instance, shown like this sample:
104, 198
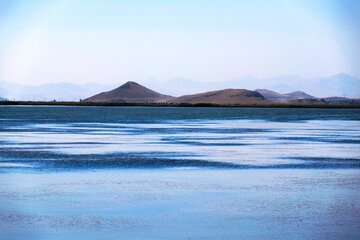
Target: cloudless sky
109, 41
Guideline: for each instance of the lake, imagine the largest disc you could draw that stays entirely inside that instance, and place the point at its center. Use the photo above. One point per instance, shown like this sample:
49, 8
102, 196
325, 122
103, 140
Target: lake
179, 173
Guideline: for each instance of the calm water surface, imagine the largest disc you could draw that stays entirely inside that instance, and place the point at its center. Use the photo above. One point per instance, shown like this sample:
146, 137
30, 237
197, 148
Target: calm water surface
179, 173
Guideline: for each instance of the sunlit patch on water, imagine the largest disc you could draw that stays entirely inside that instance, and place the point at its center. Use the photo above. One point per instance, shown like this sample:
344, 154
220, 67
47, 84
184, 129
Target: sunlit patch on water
14, 165
182, 143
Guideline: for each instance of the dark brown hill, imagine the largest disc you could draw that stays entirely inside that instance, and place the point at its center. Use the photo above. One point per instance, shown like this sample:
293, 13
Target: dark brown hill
130, 92
226, 96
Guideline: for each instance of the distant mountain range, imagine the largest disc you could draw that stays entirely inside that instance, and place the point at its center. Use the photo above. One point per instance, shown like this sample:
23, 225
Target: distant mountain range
340, 85
49, 92
132, 92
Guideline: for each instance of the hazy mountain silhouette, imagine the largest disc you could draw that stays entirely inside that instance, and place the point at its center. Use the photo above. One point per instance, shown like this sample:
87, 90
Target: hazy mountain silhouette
49, 92
130, 92
336, 85
278, 97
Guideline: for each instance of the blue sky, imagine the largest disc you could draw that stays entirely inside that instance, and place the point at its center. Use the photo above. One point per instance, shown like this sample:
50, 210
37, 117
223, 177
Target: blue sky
115, 41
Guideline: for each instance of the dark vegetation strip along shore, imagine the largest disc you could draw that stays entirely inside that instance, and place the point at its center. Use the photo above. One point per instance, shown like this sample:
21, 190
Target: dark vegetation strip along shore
115, 104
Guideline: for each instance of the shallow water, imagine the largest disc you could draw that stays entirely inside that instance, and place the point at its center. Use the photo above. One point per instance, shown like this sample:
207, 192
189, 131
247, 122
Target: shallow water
179, 173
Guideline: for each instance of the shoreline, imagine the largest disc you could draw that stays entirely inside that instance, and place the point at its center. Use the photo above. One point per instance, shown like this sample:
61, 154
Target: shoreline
111, 104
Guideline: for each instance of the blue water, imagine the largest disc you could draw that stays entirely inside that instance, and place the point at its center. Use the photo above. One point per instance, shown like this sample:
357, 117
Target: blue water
179, 173
59, 138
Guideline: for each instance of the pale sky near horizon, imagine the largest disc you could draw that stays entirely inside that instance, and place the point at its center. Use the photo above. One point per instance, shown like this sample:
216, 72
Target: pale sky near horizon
110, 41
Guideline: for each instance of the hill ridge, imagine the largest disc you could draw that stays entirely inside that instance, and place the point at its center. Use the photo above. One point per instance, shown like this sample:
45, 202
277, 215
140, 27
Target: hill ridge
130, 92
